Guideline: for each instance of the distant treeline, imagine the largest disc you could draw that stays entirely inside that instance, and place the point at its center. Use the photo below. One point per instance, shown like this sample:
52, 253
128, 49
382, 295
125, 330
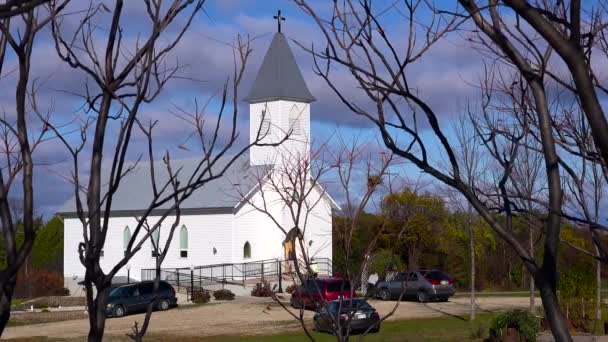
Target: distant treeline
417, 230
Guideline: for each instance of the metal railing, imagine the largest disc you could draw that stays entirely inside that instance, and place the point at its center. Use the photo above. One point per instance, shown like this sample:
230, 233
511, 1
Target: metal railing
218, 275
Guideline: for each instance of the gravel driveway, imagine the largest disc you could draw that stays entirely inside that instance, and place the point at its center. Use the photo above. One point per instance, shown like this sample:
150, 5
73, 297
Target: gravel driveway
248, 315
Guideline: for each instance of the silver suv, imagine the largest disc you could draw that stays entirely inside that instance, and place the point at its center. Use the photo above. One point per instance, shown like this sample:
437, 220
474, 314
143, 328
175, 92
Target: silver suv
422, 285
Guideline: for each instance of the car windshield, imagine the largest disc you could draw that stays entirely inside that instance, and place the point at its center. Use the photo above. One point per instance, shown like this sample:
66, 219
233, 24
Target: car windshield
437, 275
355, 304
338, 286
117, 292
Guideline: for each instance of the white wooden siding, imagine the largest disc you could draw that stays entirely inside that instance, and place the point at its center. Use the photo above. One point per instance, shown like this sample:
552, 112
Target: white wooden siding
279, 112
204, 233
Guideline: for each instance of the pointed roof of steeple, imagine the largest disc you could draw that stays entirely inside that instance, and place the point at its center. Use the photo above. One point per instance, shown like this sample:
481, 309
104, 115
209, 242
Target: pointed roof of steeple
279, 77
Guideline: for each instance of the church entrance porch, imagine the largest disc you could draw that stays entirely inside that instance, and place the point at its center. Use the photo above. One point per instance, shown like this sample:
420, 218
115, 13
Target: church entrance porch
290, 256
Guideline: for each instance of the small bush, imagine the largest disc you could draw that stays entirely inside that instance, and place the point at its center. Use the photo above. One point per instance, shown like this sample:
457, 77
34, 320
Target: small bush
200, 296
291, 288
45, 310
262, 289
523, 321
40, 306
223, 295
39, 283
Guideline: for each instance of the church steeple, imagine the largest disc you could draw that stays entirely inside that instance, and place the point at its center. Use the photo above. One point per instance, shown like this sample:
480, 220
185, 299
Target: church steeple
279, 77
279, 106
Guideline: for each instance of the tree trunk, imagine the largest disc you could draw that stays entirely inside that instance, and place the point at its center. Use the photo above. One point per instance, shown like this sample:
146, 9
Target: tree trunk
472, 247
5, 302
598, 288
553, 312
532, 288
96, 306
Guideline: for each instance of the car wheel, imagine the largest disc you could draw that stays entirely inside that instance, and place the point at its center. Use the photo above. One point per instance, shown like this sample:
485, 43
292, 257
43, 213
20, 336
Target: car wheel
385, 295
445, 299
422, 296
163, 305
118, 311
375, 330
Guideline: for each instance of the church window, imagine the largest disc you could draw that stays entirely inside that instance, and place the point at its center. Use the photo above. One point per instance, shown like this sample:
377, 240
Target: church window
183, 242
295, 120
126, 238
247, 251
155, 239
265, 125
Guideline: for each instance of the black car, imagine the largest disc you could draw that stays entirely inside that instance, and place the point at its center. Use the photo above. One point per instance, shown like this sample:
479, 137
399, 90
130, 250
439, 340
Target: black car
136, 297
364, 316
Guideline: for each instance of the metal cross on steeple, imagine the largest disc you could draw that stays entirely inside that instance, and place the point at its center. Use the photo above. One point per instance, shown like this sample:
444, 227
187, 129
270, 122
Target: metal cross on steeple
279, 19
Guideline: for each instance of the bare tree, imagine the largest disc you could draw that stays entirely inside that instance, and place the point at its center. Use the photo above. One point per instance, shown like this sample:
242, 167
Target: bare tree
572, 32
585, 180
527, 176
11, 8
472, 161
20, 135
358, 41
124, 78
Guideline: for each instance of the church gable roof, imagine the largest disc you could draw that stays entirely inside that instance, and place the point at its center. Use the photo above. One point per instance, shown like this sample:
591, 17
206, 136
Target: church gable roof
279, 77
219, 195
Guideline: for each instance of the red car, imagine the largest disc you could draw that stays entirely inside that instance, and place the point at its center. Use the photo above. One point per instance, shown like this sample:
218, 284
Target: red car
314, 291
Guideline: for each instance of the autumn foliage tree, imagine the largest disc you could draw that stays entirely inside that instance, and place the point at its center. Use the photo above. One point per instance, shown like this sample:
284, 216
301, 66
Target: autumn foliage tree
414, 219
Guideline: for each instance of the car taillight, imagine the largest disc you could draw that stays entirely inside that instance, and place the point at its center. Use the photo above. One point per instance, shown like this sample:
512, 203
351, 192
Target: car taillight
344, 317
451, 281
434, 281
375, 315
173, 291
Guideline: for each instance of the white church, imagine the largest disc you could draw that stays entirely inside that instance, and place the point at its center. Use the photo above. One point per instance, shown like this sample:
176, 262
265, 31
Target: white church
218, 225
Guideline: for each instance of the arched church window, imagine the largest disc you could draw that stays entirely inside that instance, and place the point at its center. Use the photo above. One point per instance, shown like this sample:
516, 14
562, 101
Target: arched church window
247, 251
265, 125
155, 239
126, 238
295, 120
183, 242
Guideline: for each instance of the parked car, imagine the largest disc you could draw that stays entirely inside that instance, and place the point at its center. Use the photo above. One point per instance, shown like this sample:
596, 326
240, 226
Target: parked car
136, 297
364, 316
314, 291
422, 285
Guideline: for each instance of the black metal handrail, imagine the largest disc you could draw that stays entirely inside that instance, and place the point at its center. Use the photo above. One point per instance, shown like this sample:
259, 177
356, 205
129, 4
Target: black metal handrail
227, 273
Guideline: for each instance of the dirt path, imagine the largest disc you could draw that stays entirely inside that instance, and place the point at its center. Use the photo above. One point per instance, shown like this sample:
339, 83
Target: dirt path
248, 315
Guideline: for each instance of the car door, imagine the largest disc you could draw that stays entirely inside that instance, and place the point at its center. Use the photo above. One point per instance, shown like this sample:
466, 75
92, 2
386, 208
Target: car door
132, 298
323, 318
412, 284
146, 291
396, 286
308, 293
317, 290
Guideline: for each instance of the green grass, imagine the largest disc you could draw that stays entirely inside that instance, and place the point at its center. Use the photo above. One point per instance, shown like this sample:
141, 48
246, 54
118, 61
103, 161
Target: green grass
433, 329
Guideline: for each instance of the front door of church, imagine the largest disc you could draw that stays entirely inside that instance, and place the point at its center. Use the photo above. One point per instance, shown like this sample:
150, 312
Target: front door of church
290, 255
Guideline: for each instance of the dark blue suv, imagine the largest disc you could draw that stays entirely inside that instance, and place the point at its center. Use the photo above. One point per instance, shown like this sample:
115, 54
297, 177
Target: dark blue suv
136, 297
